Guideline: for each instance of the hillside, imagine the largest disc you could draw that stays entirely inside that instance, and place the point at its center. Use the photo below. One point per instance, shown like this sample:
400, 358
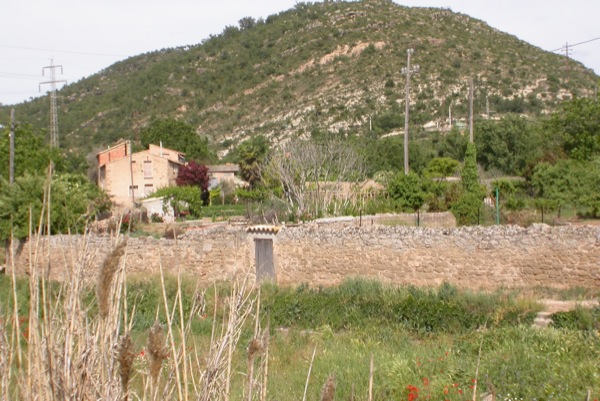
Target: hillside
318, 67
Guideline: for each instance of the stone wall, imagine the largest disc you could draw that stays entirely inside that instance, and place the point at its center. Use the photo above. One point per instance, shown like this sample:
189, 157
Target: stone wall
325, 254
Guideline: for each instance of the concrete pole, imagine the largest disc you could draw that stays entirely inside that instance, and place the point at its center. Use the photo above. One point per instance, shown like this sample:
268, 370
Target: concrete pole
11, 163
408, 70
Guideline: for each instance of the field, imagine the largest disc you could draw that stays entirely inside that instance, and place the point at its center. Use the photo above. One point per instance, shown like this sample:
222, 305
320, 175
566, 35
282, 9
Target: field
165, 337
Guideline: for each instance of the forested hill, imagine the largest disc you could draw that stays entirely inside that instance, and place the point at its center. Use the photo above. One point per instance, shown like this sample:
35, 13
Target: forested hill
317, 67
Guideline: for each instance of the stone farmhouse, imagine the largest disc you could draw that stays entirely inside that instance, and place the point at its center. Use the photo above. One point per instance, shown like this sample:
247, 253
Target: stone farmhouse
128, 176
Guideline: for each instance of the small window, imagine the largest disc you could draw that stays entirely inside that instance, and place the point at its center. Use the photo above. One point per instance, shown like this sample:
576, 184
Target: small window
148, 189
133, 191
102, 176
147, 169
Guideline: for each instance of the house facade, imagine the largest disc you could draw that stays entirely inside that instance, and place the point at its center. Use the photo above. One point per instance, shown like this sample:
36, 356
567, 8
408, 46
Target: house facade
128, 176
223, 172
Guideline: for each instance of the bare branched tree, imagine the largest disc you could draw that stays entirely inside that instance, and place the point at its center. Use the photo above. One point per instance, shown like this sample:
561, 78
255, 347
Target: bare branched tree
313, 175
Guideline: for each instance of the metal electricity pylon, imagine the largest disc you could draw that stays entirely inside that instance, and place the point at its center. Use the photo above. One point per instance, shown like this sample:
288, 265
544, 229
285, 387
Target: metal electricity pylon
53, 109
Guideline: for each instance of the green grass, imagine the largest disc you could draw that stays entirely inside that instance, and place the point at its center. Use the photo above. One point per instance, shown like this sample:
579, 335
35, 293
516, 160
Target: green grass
224, 212
427, 338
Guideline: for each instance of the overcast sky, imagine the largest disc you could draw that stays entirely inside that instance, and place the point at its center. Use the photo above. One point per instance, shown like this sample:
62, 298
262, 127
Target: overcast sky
87, 36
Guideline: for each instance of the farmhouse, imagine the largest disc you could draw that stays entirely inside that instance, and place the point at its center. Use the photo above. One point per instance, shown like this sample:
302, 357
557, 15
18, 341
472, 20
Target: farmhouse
128, 176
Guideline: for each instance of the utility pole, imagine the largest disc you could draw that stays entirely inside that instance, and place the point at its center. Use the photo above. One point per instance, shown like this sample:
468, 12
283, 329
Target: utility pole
471, 110
407, 70
487, 107
53, 109
11, 162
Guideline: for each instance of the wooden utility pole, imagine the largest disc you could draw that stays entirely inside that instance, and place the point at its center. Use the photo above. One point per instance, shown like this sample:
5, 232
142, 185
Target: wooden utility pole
11, 163
471, 110
407, 70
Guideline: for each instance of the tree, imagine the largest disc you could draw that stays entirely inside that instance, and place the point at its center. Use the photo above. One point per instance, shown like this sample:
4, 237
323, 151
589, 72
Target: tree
578, 124
407, 191
31, 154
568, 182
246, 23
442, 167
452, 145
186, 199
309, 176
177, 135
193, 174
466, 208
507, 145
251, 155
73, 201
469, 175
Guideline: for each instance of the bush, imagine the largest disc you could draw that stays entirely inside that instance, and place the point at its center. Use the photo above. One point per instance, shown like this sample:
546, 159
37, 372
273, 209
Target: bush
184, 200
578, 319
467, 209
359, 304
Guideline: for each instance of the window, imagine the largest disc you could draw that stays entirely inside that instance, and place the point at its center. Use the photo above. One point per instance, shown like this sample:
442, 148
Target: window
133, 191
148, 189
147, 169
102, 176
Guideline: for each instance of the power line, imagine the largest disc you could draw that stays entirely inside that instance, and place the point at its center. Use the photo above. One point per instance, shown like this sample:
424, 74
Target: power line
17, 75
576, 44
63, 51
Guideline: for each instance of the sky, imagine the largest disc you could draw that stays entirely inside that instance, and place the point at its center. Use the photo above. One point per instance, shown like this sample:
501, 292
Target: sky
85, 36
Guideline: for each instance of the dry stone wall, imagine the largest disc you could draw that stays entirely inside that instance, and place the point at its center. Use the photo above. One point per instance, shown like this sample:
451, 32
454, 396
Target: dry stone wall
326, 254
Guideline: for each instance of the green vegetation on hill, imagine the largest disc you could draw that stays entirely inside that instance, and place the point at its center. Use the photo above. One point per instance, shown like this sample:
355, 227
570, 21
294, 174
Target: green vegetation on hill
326, 66
314, 94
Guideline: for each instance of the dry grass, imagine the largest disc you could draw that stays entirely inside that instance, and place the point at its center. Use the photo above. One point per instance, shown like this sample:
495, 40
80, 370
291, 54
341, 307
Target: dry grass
69, 354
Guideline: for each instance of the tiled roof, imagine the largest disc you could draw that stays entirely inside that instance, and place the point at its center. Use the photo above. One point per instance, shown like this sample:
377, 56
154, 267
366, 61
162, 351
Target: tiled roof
263, 229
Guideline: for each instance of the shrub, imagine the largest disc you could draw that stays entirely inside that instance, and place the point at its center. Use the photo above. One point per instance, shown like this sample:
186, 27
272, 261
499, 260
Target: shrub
578, 319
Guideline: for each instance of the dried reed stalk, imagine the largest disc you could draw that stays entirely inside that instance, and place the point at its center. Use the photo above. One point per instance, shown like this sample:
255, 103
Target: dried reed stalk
328, 392
312, 359
105, 278
371, 372
266, 338
216, 373
4, 363
477, 371
255, 348
126, 355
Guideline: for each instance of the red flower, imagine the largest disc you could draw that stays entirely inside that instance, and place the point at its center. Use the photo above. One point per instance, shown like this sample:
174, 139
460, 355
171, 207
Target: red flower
425, 381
